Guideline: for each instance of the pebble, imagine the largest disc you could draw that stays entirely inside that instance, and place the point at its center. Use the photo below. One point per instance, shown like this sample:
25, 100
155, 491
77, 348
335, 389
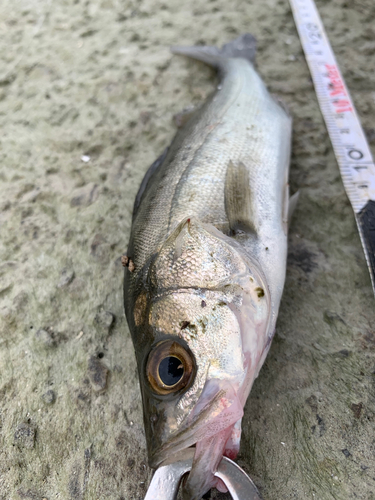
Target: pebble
84, 195
30, 196
98, 374
49, 397
67, 276
45, 338
24, 436
100, 249
20, 301
103, 321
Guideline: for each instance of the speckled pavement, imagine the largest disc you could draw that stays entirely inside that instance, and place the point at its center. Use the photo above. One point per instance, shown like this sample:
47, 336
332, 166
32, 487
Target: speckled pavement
87, 95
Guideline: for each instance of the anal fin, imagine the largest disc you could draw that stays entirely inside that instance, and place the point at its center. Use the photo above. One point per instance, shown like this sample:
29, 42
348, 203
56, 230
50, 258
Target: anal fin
293, 200
282, 104
289, 205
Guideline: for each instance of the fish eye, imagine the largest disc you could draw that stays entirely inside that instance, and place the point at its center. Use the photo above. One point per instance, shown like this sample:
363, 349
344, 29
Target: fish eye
169, 367
171, 370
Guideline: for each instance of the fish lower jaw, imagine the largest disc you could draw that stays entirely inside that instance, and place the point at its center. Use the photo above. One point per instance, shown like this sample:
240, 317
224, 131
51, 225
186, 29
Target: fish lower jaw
208, 455
186, 453
205, 456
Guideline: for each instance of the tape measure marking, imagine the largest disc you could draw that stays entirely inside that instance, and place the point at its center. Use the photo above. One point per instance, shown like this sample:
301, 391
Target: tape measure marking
348, 139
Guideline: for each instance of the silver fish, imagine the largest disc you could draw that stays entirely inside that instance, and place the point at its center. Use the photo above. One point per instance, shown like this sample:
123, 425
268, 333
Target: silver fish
206, 266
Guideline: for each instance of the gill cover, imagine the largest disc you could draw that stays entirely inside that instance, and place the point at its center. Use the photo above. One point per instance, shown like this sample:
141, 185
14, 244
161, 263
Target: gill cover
207, 321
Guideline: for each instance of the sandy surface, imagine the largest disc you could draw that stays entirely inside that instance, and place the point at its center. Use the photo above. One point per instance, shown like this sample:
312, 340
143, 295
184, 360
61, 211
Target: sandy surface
87, 94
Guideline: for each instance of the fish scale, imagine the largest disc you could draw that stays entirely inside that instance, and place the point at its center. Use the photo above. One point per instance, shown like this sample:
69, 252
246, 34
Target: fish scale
208, 247
170, 199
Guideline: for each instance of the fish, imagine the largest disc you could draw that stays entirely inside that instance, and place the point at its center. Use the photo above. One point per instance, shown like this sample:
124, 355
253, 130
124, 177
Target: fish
206, 264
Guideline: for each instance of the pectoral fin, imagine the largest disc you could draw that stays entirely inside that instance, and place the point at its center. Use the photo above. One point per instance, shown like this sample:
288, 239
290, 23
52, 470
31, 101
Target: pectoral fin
238, 199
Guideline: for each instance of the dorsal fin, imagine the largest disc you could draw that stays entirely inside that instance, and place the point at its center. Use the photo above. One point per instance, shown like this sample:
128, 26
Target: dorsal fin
142, 188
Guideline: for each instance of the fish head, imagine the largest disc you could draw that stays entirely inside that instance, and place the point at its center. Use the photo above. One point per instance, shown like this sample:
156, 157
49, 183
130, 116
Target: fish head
203, 322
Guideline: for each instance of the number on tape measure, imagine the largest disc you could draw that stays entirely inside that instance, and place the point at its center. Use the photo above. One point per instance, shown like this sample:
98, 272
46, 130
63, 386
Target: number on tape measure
348, 140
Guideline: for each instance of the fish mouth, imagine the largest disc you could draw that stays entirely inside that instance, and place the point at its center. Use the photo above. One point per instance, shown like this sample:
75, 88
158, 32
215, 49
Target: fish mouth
214, 416
208, 455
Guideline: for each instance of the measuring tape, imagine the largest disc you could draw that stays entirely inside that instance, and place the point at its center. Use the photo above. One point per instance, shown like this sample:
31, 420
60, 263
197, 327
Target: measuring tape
349, 142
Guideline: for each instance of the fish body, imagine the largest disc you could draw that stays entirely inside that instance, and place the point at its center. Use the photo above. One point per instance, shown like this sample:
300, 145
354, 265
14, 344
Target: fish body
208, 251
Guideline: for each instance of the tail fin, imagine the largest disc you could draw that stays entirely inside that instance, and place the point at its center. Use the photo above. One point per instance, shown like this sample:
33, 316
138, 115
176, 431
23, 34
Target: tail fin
243, 47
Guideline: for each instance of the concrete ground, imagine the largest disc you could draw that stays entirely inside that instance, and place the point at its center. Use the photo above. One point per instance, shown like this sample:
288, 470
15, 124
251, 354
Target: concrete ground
87, 94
